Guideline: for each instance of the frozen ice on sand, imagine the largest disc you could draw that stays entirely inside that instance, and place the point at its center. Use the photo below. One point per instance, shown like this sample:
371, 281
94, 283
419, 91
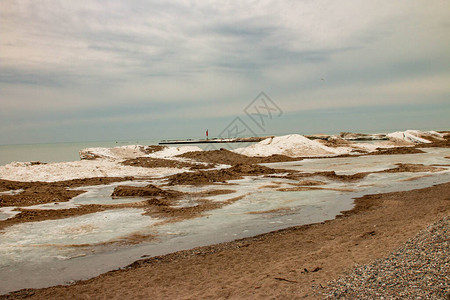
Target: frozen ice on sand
415, 136
293, 145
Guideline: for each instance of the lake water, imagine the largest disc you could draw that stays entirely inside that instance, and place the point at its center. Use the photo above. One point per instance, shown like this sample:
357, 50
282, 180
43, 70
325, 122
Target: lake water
59, 152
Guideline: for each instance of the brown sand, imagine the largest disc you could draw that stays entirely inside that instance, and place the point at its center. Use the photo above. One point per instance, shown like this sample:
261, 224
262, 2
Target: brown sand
313, 188
227, 157
149, 162
308, 183
326, 174
397, 150
335, 142
159, 207
219, 176
152, 149
444, 143
413, 168
145, 191
287, 264
46, 192
7, 185
35, 215
38, 194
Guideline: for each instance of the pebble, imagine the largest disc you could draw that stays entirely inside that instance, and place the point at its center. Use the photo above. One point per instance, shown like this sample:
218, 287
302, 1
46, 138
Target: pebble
420, 269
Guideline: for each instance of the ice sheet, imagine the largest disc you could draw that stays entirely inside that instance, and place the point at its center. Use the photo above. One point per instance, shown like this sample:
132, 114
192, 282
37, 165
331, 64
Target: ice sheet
369, 163
62, 239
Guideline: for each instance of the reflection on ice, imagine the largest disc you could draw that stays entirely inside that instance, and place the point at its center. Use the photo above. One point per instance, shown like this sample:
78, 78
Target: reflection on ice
59, 239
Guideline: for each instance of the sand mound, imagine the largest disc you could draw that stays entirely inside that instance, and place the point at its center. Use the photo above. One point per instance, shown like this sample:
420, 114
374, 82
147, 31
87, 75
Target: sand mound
227, 157
34, 193
416, 136
293, 145
151, 162
222, 175
135, 191
134, 151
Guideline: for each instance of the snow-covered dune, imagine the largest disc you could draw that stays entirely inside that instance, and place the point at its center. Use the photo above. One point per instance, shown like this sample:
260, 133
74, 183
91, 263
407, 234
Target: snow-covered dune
78, 169
116, 153
172, 152
291, 145
134, 151
415, 136
96, 162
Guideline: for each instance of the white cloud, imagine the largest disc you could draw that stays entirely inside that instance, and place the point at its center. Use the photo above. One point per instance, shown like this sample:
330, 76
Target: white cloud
66, 56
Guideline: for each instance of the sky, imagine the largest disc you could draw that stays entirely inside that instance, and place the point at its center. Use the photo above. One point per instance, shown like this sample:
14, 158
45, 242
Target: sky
124, 70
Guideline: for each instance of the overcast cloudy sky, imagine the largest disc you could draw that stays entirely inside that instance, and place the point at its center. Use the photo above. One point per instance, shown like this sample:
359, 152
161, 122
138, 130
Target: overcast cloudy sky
109, 70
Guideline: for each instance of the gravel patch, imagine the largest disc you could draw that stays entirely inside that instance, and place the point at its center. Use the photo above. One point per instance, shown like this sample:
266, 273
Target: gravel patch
418, 270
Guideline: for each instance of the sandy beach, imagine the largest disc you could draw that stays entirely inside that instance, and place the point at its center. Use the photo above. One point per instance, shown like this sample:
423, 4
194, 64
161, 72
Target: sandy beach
290, 264
224, 150
176, 186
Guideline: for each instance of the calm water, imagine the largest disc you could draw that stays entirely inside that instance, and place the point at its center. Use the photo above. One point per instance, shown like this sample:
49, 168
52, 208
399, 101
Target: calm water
59, 152
56, 152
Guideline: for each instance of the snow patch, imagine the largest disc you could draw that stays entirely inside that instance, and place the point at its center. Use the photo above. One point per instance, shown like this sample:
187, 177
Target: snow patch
171, 152
414, 136
116, 153
78, 169
134, 151
293, 145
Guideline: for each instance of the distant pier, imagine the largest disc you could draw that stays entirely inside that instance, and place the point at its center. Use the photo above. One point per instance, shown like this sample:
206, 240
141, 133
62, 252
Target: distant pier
215, 140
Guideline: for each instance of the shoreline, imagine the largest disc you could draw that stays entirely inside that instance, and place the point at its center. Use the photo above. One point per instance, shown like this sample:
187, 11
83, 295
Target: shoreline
167, 170
292, 262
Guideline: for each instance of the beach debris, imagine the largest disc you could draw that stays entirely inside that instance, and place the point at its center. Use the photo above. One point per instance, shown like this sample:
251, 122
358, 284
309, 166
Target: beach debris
284, 279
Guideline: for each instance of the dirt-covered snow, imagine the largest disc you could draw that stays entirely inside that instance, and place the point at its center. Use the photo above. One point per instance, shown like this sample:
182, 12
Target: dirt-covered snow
77, 169
134, 151
415, 136
172, 152
293, 145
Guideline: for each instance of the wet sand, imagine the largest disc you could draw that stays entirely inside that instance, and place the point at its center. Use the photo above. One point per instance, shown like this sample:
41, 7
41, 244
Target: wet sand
291, 263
